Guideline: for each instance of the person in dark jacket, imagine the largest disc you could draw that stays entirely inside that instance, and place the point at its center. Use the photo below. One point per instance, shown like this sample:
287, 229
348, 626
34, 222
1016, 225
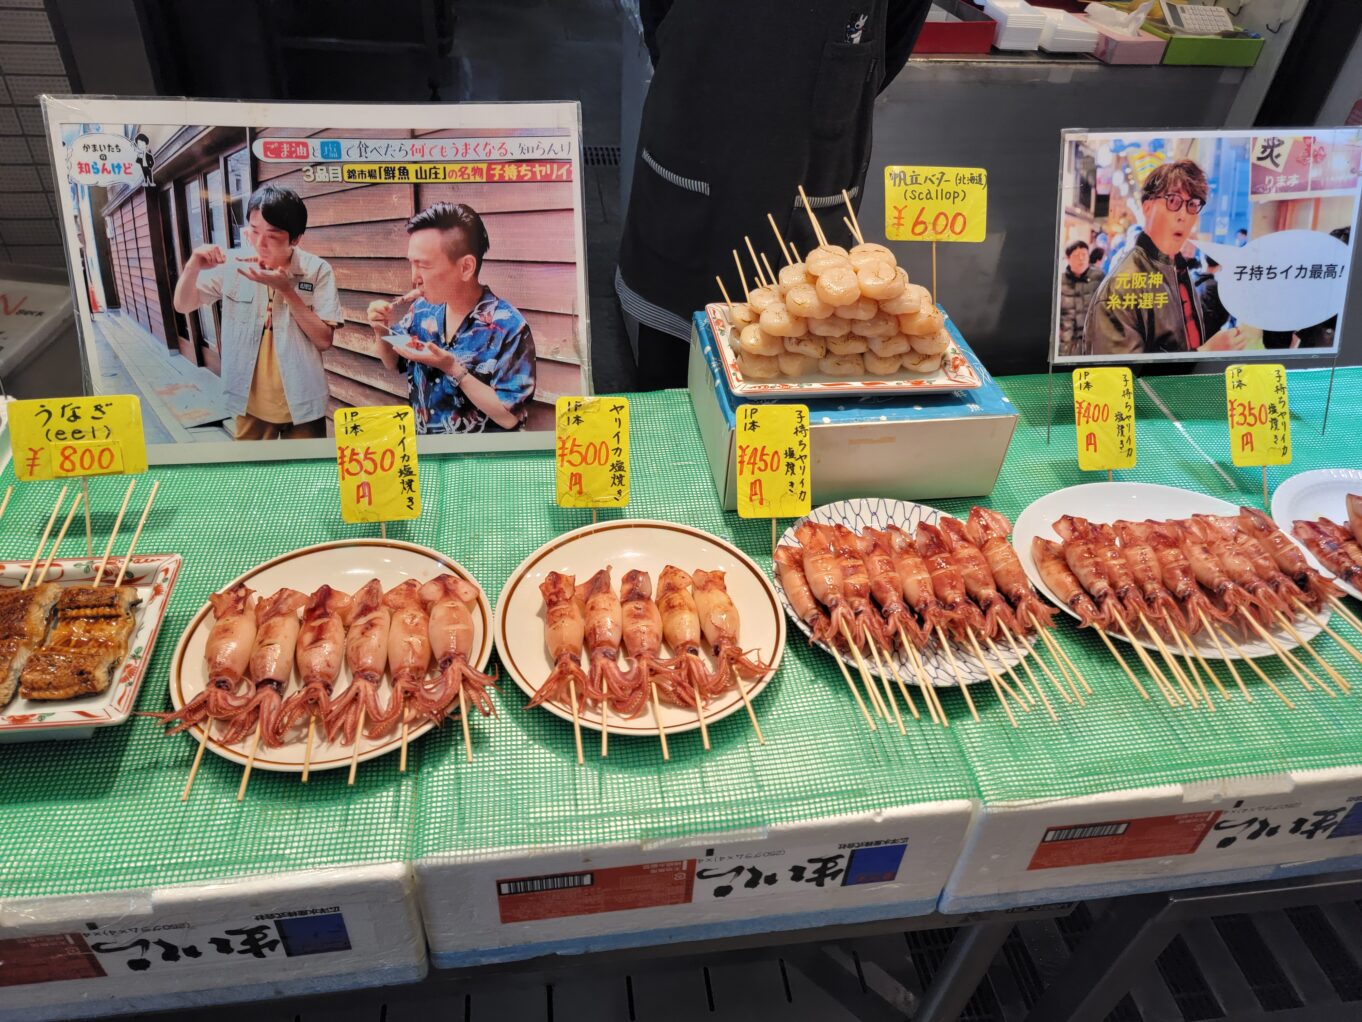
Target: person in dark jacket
748, 101
1077, 284
1208, 293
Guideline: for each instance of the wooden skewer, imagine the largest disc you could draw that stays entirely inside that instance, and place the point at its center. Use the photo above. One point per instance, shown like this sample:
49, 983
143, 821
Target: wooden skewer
1188, 690
747, 702
851, 230
576, 721
354, 753
1205, 666
1339, 680
1345, 613
198, 759
1164, 685
923, 687
795, 252
959, 675
841, 666
925, 684
769, 272
9, 492
132, 548
880, 709
255, 747
1324, 626
312, 735
1303, 674
1008, 669
1021, 659
813, 220
1052, 644
998, 684
61, 535
755, 261
742, 277
884, 680
779, 241
903, 688
42, 542
657, 716
108, 549
991, 670
1256, 669
1225, 658
1178, 638
406, 735
89, 529
700, 712
855, 224
463, 720
724, 291
1062, 659
1106, 639
605, 717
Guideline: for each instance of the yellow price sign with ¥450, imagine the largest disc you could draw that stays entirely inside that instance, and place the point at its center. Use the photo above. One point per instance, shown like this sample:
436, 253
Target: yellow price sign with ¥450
935, 203
1104, 415
57, 438
771, 449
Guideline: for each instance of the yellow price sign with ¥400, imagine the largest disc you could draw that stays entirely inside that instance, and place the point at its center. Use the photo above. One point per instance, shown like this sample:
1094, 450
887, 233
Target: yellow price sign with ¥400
935, 203
61, 437
376, 458
1104, 414
592, 445
1259, 414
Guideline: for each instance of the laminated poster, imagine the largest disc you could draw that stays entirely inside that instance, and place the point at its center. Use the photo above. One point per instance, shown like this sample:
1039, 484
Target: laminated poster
249, 268
1206, 245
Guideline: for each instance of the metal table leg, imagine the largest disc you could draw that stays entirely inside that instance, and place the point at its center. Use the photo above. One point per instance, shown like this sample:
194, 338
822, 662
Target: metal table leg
970, 955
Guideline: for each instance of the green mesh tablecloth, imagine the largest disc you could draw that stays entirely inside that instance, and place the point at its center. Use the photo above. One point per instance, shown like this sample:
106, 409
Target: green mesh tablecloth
1120, 741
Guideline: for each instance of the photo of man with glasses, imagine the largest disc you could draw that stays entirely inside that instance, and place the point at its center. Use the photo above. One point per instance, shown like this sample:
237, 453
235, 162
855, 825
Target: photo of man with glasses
1148, 304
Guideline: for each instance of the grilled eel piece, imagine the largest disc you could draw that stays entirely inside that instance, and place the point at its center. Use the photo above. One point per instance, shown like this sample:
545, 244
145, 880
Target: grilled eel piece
24, 616
88, 642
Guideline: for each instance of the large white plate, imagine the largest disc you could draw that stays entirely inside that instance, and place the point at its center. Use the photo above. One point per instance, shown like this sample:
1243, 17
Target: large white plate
346, 565
955, 373
154, 575
877, 513
1106, 502
1318, 494
648, 546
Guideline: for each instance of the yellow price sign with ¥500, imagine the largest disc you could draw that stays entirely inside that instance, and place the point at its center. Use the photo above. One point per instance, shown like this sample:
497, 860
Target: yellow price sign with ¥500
935, 203
771, 450
1259, 414
61, 437
376, 459
1104, 414
592, 444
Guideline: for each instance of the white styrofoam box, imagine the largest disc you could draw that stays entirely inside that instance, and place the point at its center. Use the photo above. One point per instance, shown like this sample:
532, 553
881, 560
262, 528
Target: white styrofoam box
266, 936
1152, 839
520, 903
1067, 33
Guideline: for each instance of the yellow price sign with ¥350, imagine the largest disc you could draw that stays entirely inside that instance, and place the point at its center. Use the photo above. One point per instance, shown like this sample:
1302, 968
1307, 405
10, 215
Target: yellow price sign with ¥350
62, 437
771, 450
592, 445
935, 203
376, 459
1259, 414
1104, 414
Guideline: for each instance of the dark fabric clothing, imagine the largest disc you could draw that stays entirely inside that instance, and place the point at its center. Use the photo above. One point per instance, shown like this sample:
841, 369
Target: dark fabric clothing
1213, 311
795, 84
663, 360
1075, 296
1139, 308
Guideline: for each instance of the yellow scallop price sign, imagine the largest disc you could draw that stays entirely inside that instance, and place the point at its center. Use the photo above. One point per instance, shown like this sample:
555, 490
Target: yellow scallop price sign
1104, 414
592, 444
935, 203
772, 453
57, 438
1259, 414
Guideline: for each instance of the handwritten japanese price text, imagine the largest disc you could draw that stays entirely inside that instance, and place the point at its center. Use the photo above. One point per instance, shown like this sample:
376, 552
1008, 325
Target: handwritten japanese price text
1259, 415
592, 445
376, 458
79, 436
935, 203
1104, 414
772, 456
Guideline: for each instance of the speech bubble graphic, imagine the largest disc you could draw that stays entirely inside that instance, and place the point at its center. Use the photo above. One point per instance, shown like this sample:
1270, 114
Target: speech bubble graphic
1289, 280
102, 159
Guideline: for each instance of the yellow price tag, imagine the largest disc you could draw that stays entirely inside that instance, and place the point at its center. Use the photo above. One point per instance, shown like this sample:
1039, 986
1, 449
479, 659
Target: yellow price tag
1259, 414
772, 454
592, 451
61, 437
1104, 413
376, 458
935, 203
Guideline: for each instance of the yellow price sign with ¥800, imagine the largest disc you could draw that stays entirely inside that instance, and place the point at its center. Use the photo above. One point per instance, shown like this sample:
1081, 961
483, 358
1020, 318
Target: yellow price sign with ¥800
1104, 414
935, 203
1259, 414
771, 450
376, 458
61, 437
592, 445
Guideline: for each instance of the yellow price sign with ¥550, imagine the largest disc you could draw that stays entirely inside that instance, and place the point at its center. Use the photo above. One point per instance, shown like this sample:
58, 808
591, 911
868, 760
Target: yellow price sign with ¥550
1259, 414
61, 437
1104, 414
771, 449
935, 203
376, 458
592, 444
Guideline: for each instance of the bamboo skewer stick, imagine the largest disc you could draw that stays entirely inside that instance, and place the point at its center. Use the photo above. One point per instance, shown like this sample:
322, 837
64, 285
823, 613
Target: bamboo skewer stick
406, 737
1339, 680
700, 712
998, 683
61, 535
312, 737
755, 261
1188, 690
1106, 639
108, 549
959, 675
42, 542
1206, 667
813, 220
880, 709
795, 252
1256, 670
1052, 644
780, 241
9, 492
853, 223
747, 702
1345, 613
463, 722
1225, 658
841, 666
354, 752
132, 547
657, 716
851, 230
742, 277
769, 272
255, 747
1021, 659
1062, 659
1166, 688
1178, 638
888, 652
928, 685
1303, 674
89, 529
724, 291
198, 760
1324, 626
884, 680
924, 688
576, 719
993, 671
605, 718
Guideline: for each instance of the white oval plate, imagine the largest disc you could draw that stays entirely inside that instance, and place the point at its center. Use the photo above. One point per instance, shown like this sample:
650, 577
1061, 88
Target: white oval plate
648, 546
878, 512
1106, 502
1317, 494
346, 565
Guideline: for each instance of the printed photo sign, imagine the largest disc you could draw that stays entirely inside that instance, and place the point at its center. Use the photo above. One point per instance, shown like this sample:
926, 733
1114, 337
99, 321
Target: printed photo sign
250, 269
1206, 245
